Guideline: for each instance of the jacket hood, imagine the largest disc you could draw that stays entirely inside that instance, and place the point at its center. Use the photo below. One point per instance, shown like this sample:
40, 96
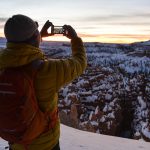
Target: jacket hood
15, 55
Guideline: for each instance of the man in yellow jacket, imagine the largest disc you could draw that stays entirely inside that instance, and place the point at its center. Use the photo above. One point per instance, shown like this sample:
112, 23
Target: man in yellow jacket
23, 40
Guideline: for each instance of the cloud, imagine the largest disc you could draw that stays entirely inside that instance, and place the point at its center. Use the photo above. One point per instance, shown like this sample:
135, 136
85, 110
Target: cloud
2, 22
1, 26
125, 35
147, 30
112, 24
137, 36
138, 22
145, 15
88, 35
115, 18
129, 23
3, 19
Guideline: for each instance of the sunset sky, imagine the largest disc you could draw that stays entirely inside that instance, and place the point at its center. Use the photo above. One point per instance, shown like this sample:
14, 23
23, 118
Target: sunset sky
119, 21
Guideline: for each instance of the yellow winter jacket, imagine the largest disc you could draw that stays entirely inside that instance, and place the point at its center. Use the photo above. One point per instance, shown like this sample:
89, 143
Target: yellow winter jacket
53, 74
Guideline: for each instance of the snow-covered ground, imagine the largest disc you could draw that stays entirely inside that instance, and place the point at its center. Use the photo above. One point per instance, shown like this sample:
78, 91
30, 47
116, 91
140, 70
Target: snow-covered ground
73, 139
80, 140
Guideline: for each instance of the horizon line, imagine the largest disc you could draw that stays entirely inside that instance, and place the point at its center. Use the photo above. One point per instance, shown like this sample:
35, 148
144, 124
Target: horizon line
47, 39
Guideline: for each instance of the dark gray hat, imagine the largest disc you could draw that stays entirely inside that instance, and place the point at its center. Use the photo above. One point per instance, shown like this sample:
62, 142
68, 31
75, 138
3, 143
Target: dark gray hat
19, 28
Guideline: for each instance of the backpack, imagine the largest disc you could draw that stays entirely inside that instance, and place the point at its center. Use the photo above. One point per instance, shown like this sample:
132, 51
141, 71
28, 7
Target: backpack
21, 120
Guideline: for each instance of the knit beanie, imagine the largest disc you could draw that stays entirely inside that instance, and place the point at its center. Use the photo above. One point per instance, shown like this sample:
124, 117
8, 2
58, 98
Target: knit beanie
19, 28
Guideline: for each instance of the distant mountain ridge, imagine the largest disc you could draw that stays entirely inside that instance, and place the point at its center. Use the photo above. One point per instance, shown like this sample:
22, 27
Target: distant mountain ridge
146, 43
2, 39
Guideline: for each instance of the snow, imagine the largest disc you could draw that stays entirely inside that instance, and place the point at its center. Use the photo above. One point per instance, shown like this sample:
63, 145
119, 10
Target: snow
141, 102
102, 119
81, 140
108, 97
97, 110
2, 144
65, 91
111, 115
91, 114
146, 131
137, 134
91, 98
112, 103
85, 93
81, 82
94, 123
107, 108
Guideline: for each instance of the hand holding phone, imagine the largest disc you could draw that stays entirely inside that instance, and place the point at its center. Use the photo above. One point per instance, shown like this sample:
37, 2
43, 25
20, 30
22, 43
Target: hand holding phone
44, 30
66, 30
70, 32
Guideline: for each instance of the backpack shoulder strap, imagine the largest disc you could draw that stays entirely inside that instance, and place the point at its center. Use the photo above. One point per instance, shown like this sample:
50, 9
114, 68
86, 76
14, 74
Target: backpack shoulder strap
32, 68
37, 64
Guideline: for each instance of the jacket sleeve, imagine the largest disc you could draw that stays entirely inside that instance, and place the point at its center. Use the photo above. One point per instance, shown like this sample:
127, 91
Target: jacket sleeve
62, 71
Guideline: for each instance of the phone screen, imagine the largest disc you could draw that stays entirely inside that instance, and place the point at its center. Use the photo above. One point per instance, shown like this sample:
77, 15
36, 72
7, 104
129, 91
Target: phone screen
58, 30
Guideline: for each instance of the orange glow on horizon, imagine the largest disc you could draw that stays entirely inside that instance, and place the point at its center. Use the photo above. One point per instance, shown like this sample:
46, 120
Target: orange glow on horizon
103, 38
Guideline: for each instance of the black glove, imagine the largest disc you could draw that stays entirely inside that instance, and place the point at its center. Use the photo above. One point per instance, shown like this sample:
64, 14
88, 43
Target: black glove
70, 32
44, 30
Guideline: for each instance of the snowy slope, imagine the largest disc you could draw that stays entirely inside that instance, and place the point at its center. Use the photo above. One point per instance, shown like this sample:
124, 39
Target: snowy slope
2, 144
80, 140
73, 139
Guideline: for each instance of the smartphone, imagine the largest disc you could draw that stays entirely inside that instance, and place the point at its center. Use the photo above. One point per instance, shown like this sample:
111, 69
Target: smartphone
57, 30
